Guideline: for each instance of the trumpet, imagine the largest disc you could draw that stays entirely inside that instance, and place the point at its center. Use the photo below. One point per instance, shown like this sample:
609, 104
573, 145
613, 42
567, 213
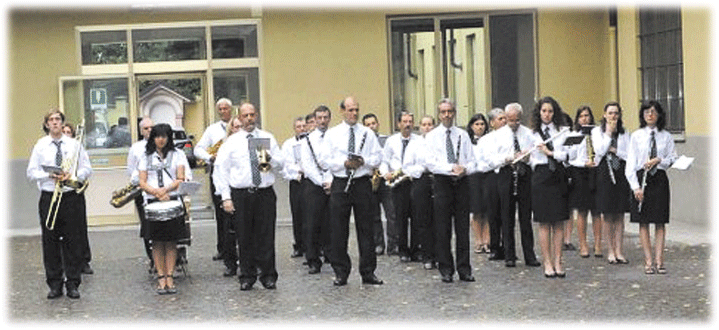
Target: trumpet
398, 177
263, 158
122, 196
70, 166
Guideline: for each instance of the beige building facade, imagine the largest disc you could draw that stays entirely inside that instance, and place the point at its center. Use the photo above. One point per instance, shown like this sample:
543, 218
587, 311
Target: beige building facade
288, 61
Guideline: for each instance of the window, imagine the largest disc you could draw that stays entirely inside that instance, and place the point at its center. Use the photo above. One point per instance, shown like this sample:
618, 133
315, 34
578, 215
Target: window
662, 64
236, 41
104, 47
173, 44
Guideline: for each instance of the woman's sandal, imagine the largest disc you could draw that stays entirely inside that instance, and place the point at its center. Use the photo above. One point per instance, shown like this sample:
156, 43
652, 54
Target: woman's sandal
171, 289
161, 289
649, 269
661, 270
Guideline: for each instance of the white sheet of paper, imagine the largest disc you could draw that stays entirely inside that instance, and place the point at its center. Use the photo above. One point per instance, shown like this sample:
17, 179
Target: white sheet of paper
188, 187
683, 163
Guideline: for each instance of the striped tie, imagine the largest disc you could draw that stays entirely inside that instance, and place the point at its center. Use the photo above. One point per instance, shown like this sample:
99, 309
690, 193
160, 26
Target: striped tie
652, 152
58, 154
450, 149
254, 164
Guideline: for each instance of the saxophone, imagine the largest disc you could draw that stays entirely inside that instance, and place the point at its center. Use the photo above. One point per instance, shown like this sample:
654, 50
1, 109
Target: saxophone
122, 196
376, 180
397, 177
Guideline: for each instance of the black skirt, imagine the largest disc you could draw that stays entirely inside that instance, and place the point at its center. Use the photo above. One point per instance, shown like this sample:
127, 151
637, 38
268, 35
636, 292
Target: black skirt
477, 202
167, 231
655, 208
612, 198
582, 188
549, 195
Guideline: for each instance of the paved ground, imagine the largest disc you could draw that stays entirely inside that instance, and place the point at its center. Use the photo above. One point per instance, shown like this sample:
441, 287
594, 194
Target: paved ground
594, 292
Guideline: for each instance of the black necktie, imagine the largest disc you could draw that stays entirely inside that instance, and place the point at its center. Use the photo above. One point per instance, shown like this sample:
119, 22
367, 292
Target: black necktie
254, 164
451, 158
350, 146
516, 143
652, 152
550, 160
404, 147
58, 154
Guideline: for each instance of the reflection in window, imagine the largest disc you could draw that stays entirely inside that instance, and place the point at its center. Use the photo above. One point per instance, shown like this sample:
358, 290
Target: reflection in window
177, 44
106, 112
236, 41
239, 85
106, 47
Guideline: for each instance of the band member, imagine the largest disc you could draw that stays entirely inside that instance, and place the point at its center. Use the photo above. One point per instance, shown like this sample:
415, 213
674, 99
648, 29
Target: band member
497, 119
137, 151
611, 143
292, 172
316, 187
212, 135
450, 158
310, 123
160, 172
414, 165
582, 173
393, 155
351, 152
514, 182
651, 150
61, 224
247, 194
476, 128
549, 184
230, 238
69, 131
382, 197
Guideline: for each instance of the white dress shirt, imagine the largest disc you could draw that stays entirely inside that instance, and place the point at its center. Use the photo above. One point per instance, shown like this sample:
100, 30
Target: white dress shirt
152, 163
392, 152
415, 162
232, 166
137, 151
43, 153
213, 134
500, 145
309, 158
561, 153
291, 154
334, 150
480, 151
437, 162
603, 140
639, 152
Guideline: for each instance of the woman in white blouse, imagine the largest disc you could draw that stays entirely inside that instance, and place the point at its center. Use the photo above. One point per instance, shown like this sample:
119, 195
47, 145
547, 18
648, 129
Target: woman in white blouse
651, 150
161, 171
611, 143
476, 128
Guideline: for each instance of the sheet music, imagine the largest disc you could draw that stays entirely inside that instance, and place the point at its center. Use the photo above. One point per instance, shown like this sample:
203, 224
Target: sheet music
188, 187
683, 163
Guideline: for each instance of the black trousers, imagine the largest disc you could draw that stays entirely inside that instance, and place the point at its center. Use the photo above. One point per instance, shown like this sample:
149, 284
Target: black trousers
139, 205
296, 204
451, 207
62, 247
382, 200
422, 217
491, 188
316, 229
221, 224
357, 199
254, 221
509, 205
402, 201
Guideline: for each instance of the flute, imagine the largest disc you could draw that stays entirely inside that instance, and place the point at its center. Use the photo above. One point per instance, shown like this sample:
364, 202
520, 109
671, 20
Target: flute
353, 171
564, 130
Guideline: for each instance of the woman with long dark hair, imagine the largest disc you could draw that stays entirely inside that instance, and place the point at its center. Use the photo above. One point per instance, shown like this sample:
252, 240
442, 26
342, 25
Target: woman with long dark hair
161, 171
549, 185
651, 153
611, 143
476, 128
582, 171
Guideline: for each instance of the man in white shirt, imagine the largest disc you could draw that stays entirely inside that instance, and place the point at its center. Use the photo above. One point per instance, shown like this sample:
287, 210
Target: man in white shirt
393, 155
247, 195
137, 151
351, 152
316, 188
212, 135
514, 185
292, 172
62, 231
450, 159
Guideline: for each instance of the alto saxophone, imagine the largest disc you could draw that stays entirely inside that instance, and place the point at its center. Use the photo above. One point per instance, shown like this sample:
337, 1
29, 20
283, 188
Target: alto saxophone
122, 196
376, 180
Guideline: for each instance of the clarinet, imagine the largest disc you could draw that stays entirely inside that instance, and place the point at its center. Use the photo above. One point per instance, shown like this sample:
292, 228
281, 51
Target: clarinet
515, 177
611, 171
352, 172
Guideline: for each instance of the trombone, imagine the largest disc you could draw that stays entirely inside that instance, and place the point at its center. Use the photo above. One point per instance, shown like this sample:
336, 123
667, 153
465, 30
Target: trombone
68, 165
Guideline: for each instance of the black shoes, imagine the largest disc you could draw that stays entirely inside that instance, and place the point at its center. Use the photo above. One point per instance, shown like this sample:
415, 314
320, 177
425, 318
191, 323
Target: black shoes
568, 247
466, 278
372, 279
245, 286
217, 256
229, 272
510, 263
532, 263
270, 285
86, 269
404, 258
447, 279
339, 282
72, 292
429, 265
496, 256
296, 254
379, 250
314, 269
54, 293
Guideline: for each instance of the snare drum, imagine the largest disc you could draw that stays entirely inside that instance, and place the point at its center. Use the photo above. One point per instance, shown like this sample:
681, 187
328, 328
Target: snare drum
164, 210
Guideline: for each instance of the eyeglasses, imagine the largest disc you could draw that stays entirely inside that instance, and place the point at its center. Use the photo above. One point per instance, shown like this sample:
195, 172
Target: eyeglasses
651, 111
